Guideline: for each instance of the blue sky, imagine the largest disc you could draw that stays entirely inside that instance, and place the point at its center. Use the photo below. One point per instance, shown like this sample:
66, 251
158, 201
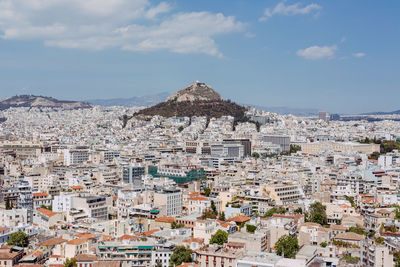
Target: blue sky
341, 56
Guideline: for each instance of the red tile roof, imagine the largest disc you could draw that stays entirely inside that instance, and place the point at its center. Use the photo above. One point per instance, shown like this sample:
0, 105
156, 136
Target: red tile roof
85, 257
76, 187
194, 240
198, 198
77, 241
107, 237
31, 265
47, 212
189, 264
40, 194
149, 233
86, 235
239, 219
165, 219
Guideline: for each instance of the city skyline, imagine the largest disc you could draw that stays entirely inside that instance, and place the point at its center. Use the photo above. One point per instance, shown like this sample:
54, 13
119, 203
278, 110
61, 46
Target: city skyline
300, 54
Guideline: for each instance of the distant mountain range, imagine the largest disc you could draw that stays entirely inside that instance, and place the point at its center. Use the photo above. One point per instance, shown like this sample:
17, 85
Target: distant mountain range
143, 101
396, 112
31, 101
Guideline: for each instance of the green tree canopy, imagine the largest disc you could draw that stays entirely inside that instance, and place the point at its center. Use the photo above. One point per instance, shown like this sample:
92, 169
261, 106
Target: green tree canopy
180, 255
221, 216
208, 214
255, 155
357, 230
294, 148
299, 210
207, 191
70, 263
220, 237
175, 225
317, 214
251, 228
379, 240
213, 207
19, 239
270, 212
287, 246
396, 256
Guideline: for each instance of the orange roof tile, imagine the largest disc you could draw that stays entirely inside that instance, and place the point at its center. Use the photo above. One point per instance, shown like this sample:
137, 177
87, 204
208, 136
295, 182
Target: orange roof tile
194, 240
77, 241
226, 225
149, 233
76, 187
86, 235
47, 212
198, 198
40, 194
107, 237
239, 219
29, 265
189, 264
165, 219
85, 257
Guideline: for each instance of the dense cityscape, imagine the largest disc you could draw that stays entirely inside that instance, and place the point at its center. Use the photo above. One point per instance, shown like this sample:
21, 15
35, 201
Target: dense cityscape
178, 133
82, 187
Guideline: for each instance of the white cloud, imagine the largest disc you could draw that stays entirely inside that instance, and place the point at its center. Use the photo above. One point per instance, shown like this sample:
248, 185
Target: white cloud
134, 25
163, 7
359, 55
250, 35
290, 10
317, 52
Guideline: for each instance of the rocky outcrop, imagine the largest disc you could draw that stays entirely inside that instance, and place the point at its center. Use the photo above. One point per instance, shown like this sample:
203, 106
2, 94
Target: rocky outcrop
197, 91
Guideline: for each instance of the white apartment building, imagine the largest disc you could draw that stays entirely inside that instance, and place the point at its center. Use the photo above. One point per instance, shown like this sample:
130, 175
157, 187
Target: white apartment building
63, 202
282, 193
13, 218
204, 229
76, 156
169, 201
93, 205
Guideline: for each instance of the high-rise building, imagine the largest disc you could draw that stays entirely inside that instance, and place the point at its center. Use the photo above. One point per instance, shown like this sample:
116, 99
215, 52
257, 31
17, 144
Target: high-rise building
323, 115
281, 140
246, 143
94, 206
76, 156
169, 201
133, 174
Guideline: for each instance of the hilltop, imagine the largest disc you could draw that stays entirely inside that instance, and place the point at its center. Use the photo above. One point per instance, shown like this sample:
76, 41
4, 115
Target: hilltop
32, 101
198, 99
197, 91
